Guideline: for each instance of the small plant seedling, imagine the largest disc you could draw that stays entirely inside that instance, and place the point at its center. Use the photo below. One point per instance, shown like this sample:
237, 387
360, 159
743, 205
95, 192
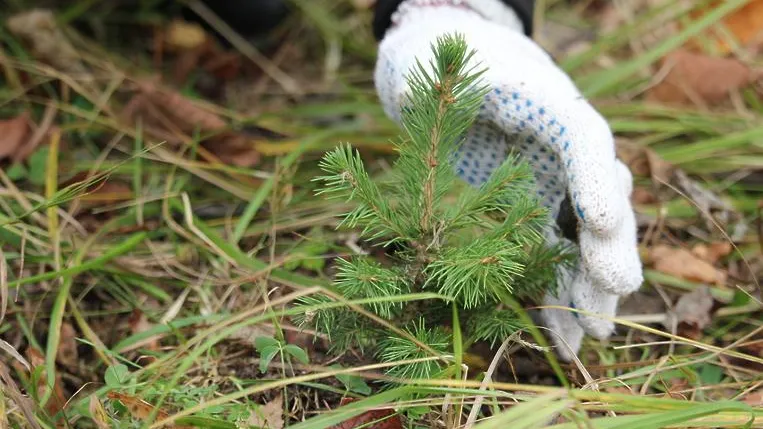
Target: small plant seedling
270, 347
479, 248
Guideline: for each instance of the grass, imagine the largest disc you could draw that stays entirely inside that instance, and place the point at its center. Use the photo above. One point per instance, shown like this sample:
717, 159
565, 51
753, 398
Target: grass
166, 289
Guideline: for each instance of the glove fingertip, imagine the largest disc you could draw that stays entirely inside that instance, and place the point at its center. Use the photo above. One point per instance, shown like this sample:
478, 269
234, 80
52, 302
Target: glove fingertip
597, 328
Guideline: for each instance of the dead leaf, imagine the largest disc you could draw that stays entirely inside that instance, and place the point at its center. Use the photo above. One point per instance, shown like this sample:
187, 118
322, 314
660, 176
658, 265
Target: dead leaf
682, 263
223, 65
675, 389
692, 312
268, 416
137, 407
644, 162
109, 191
237, 150
57, 400
42, 133
744, 24
66, 354
138, 323
641, 195
170, 116
187, 113
13, 133
696, 78
184, 35
384, 419
98, 414
39, 30
754, 399
713, 252
140, 409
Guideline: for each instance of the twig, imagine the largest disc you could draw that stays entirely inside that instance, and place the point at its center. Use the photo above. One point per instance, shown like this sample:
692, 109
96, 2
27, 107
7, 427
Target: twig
488, 378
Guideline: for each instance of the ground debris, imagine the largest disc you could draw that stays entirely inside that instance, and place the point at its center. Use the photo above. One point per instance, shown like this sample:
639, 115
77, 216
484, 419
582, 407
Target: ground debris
14, 133
692, 312
39, 30
167, 115
684, 264
700, 79
744, 24
140, 409
268, 416
372, 419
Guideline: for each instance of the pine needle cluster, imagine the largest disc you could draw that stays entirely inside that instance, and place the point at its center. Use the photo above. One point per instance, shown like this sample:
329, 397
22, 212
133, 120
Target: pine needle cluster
473, 246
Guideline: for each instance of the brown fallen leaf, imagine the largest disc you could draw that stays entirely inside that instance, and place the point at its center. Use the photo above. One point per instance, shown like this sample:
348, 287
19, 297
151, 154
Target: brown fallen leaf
57, 400
754, 398
137, 407
168, 115
641, 195
187, 113
696, 78
138, 323
108, 191
712, 252
692, 312
38, 29
684, 264
643, 161
67, 354
268, 416
384, 419
13, 133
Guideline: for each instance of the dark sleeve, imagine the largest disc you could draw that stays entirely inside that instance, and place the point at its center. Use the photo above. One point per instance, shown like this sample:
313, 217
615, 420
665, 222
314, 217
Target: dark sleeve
385, 9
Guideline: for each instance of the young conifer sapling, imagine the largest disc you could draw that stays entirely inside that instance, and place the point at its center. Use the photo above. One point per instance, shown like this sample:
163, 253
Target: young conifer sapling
475, 247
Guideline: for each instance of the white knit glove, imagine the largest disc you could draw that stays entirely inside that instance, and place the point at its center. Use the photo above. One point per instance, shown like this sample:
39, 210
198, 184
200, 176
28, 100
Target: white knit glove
534, 108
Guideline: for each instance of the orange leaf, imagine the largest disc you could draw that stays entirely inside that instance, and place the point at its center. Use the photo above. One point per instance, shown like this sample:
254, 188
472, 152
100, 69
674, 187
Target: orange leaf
713, 252
745, 24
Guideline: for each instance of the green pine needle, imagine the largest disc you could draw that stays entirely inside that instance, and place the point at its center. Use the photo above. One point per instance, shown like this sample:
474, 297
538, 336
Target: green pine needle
363, 277
398, 349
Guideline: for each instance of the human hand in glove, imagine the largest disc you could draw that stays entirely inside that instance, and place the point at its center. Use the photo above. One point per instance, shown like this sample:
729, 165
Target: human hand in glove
534, 108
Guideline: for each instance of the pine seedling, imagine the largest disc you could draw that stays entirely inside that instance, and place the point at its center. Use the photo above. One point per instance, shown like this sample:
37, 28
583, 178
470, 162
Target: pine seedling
473, 246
